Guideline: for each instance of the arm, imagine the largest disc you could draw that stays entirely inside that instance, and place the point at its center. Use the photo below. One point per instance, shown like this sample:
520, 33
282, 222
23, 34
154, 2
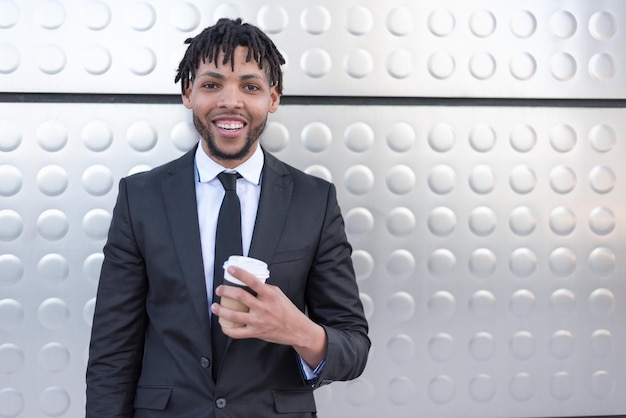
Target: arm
117, 336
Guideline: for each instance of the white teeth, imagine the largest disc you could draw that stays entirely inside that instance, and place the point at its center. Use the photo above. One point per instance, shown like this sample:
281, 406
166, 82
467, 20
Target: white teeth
230, 126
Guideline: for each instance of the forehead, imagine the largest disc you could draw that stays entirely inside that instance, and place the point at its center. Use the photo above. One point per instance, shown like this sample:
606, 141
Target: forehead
236, 64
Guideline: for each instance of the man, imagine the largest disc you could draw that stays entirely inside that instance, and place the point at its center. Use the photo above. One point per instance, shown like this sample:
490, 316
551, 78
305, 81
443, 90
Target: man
153, 339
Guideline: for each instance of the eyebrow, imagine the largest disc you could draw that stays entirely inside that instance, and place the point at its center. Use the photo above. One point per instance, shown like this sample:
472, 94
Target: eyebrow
222, 76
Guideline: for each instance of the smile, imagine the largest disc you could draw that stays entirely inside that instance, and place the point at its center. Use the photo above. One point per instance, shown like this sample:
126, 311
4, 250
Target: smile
229, 126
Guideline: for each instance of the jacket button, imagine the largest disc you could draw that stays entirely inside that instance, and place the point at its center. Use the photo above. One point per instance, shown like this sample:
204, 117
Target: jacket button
220, 403
205, 362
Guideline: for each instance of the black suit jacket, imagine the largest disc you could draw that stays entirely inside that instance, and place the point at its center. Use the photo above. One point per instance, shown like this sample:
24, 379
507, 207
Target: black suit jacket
150, 352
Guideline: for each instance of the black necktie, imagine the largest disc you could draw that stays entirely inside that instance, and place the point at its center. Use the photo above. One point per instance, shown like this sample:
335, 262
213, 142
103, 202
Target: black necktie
227, 243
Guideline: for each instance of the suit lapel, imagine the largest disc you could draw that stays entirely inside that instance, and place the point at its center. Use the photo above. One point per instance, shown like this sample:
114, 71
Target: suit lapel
179, 195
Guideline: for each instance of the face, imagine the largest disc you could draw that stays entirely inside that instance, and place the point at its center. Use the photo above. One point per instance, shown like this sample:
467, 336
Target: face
230, 108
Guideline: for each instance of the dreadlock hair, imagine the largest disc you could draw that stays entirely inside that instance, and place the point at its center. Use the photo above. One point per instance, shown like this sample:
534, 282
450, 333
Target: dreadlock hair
224, 37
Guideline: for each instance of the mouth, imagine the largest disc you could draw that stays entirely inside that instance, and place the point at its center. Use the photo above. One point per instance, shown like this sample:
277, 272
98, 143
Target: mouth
229, 126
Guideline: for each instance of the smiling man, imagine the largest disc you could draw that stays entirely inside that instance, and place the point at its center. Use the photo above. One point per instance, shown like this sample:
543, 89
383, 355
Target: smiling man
156, 348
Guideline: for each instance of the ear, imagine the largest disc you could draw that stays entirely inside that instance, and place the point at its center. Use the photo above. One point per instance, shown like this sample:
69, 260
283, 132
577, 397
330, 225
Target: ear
274, 99
186, 96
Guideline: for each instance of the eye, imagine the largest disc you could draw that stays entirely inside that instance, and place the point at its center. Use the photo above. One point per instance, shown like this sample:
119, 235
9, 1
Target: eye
209, 85
252, 87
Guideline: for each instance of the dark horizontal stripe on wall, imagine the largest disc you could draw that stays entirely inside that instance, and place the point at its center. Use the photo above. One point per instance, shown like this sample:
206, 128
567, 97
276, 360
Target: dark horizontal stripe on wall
319, 100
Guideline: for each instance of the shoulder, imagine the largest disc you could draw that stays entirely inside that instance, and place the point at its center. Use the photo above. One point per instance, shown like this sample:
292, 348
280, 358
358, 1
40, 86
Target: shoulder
300, 179
182, 164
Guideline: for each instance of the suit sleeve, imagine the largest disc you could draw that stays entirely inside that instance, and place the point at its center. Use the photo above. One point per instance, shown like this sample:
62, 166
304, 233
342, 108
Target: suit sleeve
333, 300
118, 328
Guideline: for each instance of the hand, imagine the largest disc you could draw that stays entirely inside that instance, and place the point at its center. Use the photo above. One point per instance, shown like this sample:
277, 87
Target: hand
272, 317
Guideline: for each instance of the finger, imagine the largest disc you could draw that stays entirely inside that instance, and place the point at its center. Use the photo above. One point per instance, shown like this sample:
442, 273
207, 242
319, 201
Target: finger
248, 278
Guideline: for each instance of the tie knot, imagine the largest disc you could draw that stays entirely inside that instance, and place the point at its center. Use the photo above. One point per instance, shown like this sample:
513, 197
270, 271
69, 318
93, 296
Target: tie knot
229, 180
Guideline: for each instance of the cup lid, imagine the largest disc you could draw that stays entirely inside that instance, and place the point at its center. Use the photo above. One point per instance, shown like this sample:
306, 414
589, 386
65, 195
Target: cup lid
249, 264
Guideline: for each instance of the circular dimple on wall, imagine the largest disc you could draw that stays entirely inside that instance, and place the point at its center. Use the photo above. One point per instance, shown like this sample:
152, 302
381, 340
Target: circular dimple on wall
482, 346
96, 15
97, 136
602, 25
441, 137
523, 24
12, 401
141, 16
52, 136
482, 137
482, 23
11, 180
92, 266
441, 305
272, 18
10, 135
562, 344
400, 264
522, 179
401, 306
316, 137
11, 225
602, 138
482, 65
562, 261
11, 358
358, 137
96, 59
359, 180
441, 221
482, 221
52, 180
562, 24
441, 23
482, 262
368, 305
602, 343
602, 221
441, 262
522, 303
185, 136
11, 269
562, 179
523, 66
441, 179
523, 262
9, 59
399, 21
54, 357
97, 180
55, 401
563, 66
401, 390
563, 138
602, 302
9, 16
522, 345
88, 311
358, 63
359, 392
562, 221
401, 348
363, 264
319, 171
185, 16
441, 347
315, 19
603, 384
602, 66
50, 59
50, 14
11, 314
359, 221
400, 222
96, 224
400, 137
602, 261
441, 389
482, 179
522, 387
441, 65
399, 64
52, 224
562, 386
358, 20
141, 136
523, 138
482, 303
53, 268
400, 180
141, 60
53, 313
482, 388
563, 302
602, 179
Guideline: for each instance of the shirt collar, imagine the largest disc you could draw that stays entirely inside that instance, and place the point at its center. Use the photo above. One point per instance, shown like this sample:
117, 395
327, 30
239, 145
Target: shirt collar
207, 169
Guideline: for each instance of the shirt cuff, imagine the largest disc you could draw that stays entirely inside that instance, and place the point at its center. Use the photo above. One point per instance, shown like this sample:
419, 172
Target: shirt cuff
309, 374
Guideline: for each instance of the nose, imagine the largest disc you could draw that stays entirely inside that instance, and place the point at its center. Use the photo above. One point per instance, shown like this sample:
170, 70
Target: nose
230, 98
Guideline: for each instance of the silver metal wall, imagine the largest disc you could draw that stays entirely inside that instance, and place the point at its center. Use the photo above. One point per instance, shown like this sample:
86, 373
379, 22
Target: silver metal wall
489, 240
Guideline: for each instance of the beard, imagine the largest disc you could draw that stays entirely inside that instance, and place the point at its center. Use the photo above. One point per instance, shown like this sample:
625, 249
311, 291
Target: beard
207, 136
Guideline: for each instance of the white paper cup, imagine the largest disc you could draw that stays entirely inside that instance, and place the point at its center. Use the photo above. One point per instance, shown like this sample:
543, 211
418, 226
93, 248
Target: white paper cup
251, 265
